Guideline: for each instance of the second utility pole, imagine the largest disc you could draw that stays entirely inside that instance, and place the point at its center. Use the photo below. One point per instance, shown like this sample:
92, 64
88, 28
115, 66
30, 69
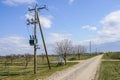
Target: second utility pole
43, 41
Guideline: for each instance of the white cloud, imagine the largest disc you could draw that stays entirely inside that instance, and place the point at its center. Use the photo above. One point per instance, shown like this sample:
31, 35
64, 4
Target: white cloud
55, 37
71, 1
46, 21
29, 16
16, 2
111, 27
110, 31
13, 45
88, 27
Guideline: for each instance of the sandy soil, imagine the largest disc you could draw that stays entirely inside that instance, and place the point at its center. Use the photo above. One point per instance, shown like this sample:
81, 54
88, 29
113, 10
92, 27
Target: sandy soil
85, 70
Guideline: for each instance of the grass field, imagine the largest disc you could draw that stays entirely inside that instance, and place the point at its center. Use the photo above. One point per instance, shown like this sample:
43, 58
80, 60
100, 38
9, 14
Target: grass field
18, 72
82, 57
16, 69
110, 67
110, 70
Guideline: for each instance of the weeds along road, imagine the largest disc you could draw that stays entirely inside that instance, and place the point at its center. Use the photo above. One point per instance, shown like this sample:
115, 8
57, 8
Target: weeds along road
85, 70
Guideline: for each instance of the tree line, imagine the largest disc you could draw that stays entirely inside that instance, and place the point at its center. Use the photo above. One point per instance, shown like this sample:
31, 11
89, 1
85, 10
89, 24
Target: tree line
62, 49
25, 58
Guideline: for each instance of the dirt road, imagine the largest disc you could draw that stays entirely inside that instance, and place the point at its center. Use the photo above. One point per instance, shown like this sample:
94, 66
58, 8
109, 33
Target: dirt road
85, 70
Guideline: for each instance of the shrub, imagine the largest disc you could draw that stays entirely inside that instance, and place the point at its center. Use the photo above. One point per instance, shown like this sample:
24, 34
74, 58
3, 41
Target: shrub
113, 55
73, 58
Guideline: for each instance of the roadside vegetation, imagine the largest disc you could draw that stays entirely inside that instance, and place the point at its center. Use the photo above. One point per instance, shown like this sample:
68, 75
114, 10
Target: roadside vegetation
112, 55
20, 67
110, 67
110, 70
73, 57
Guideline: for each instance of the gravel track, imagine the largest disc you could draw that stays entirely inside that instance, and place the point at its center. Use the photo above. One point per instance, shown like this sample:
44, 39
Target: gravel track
85, 70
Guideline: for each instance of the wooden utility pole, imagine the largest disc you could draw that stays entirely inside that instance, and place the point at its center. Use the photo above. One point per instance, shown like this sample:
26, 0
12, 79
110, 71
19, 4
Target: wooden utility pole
43, 41
35, 47
36, 21
33, 38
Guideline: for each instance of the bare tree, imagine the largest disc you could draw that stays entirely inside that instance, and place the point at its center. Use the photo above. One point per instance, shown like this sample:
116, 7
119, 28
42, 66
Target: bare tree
12, 57
63, 48
7, 59
79, 50
28, 58
43, 57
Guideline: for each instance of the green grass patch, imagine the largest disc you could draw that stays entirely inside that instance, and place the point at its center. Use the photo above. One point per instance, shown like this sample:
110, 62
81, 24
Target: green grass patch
88, 56
18, 72
110, 70
82, 57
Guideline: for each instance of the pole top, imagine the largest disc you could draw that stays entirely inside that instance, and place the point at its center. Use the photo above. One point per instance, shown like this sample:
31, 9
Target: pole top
38, 8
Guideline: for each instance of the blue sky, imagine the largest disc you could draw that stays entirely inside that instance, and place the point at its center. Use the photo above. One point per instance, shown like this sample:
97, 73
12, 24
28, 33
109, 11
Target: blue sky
78, 20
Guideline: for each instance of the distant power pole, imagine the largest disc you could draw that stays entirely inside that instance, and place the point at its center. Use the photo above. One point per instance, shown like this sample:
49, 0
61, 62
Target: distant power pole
90, 47
33, 39
96, 51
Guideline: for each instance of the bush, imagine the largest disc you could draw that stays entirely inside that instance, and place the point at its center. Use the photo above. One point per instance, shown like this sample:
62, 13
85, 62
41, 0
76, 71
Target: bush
73, 58
113, 55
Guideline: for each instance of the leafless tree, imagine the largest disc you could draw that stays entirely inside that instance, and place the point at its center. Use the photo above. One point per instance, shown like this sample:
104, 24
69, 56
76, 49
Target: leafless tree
63, 48
7, 59
12, 57
43, 57
79, 50
28, 58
